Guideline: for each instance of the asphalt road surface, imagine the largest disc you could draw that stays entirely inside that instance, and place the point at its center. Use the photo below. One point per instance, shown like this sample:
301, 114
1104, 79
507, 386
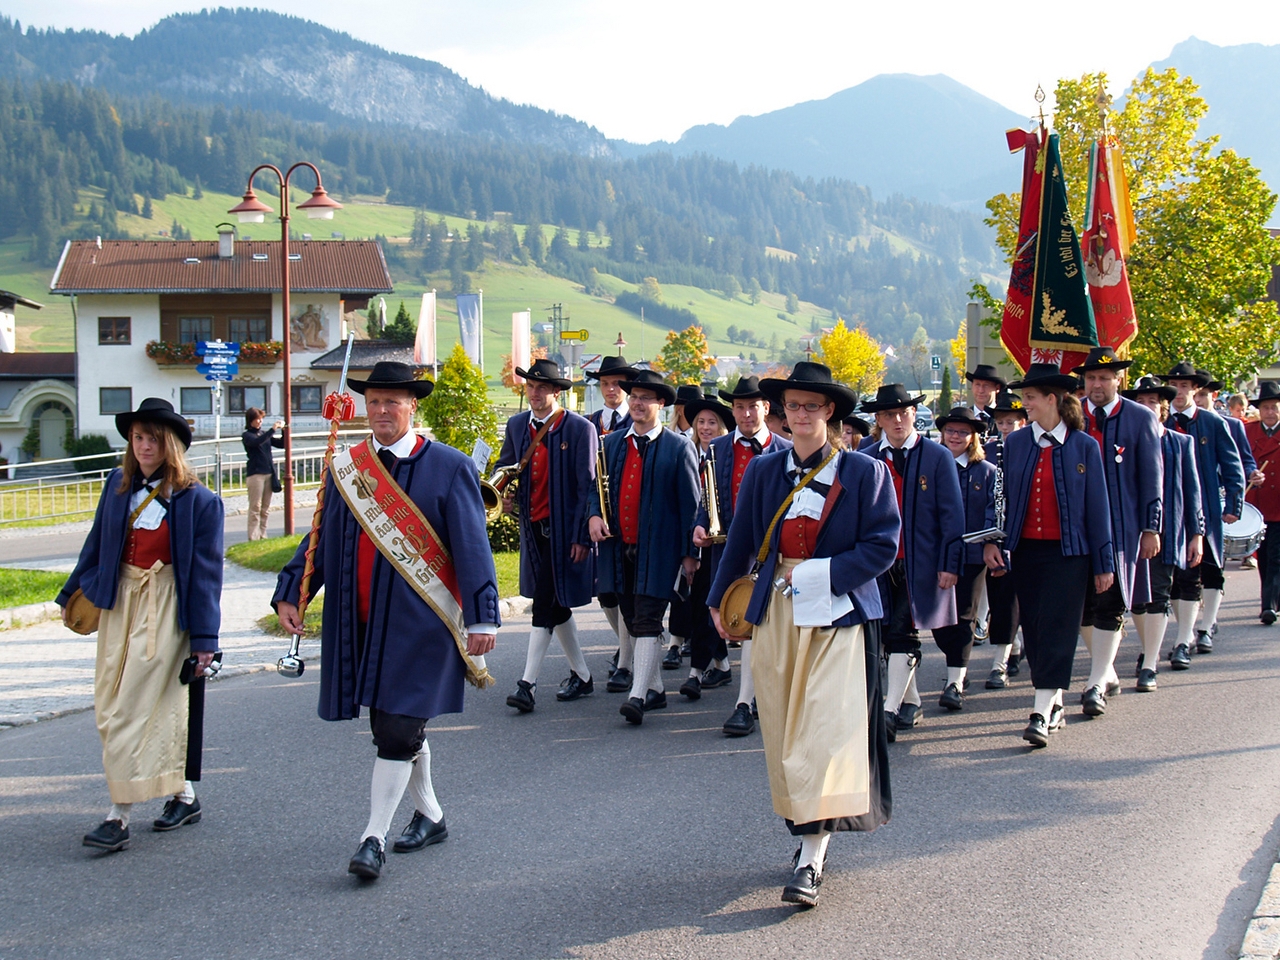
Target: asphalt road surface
1146, 833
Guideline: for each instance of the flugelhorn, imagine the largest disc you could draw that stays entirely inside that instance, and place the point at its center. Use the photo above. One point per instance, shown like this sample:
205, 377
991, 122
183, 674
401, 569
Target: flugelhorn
602, 486
711, 498
494, 490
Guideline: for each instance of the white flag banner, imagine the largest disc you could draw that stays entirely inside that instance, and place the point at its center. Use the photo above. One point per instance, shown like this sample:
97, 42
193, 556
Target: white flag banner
521, 344
469, 325
424, 343
8, 329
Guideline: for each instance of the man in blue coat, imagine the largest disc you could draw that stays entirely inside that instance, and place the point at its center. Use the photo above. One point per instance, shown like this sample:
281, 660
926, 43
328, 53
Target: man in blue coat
382, 645
645, 550
1128, 436
554, 486
733, 453
919, 589
1220, 467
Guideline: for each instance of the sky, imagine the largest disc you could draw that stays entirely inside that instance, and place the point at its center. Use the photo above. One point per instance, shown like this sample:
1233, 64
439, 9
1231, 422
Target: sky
645, 71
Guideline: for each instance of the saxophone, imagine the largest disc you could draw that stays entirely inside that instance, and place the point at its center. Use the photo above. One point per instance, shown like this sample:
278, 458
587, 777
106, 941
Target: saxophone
711, 498
602, 485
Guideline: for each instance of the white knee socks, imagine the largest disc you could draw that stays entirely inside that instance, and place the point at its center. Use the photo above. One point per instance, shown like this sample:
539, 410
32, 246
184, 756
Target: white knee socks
626, 646
648, 672
913, 692
1106, 643
188, 793
1000, 660
390, 777
1185, 612
900, 674
120, 811
1046, 699
1212, 600
747, 684
614, 616
813, 850
424, 797
956, 675
675, 643
539, 641
1086, 634
567, 634
1155, 627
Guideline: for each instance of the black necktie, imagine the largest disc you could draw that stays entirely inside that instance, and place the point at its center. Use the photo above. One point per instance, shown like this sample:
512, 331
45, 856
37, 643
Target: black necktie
613, 423
1053, 441
388, 459
1270, 431
641, 443
899, 460
799, 470
1183, 421
754, 444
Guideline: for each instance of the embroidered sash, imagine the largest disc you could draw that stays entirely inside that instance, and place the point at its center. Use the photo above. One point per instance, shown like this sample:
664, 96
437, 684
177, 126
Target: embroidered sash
407, 542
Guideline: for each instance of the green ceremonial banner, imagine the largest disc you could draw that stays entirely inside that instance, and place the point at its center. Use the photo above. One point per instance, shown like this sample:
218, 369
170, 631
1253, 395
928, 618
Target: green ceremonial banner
1061, 313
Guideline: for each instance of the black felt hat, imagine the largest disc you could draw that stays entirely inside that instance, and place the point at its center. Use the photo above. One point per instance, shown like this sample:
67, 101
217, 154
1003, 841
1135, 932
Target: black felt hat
747, 388
687, 393
651, 380
815, 378
1102, 358
545, 371
612, 367
855, 421
1210, 383
1007, 402
1186, 370
964, 415
393, 375
891, 396
155, 410
985, 371
1149, 384
1047, 376
694, 407
1267, 390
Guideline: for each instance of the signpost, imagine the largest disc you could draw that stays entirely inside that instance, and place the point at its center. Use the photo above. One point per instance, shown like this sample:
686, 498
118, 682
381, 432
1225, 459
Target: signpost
580, 336
220, 362
935, 363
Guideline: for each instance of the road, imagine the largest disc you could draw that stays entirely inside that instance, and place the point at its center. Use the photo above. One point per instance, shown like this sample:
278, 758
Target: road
1146, 833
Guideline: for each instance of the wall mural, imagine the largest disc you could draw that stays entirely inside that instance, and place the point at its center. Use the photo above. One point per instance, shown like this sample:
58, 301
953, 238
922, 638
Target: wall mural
308, 330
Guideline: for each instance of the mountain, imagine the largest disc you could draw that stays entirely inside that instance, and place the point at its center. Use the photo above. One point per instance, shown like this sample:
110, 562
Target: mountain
1239, 84
267, 61
925, 137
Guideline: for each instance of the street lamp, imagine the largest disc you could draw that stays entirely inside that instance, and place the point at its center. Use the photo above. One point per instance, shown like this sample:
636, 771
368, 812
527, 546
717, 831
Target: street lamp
253, 210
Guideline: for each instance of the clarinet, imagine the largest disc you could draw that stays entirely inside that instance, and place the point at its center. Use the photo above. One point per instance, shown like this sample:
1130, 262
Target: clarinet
999, 485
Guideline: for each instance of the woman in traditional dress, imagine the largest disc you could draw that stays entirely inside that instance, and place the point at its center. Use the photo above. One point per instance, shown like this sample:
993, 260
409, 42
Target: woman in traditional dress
820, 524
153, 565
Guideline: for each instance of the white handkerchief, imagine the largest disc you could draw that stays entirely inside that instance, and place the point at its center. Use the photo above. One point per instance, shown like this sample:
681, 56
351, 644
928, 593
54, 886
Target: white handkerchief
152, 516
813, 603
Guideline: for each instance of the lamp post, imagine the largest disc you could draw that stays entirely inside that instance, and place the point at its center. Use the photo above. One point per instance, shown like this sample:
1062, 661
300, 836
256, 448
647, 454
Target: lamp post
253, 210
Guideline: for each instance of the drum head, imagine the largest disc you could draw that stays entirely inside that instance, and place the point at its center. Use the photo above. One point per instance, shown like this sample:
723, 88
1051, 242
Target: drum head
1249, 524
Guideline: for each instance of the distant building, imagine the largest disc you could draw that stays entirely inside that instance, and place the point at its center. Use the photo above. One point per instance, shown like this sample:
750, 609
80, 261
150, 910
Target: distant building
141, 306
37, 390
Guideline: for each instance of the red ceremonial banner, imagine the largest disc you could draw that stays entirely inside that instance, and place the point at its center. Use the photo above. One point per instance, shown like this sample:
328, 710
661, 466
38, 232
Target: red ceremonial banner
1015, 325
1104, 249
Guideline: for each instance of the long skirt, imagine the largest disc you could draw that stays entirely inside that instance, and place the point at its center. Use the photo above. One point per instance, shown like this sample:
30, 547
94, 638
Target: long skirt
821, 720
139, 703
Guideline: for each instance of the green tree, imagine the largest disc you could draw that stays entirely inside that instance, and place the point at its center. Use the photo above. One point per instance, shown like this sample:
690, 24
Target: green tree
649, 288
853, 356
732, 288
915, 356
197, 193
944, 395
458, 410
684, 358
793, 303
402, 328
753, 291
1202, 256
148, 212
535, 243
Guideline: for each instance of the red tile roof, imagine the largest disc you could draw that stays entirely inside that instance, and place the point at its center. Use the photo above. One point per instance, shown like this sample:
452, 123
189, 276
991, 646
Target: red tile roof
193, 266
32, 366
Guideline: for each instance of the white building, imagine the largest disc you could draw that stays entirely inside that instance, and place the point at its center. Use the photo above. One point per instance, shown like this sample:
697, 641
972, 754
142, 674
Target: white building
141, 305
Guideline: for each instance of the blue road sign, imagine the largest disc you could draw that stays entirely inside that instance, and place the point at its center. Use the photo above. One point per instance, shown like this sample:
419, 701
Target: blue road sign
216, 348
218, 368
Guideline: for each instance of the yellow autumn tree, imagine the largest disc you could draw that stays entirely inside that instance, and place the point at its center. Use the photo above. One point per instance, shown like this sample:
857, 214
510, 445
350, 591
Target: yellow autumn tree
684, 358
853, 356
960, 350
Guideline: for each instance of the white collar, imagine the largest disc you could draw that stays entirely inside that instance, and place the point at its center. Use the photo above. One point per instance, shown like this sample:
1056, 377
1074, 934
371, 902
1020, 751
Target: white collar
651, 435
621, 409
963, 459
401, 448
1110, 407
1190, 412
555, 407
762, 436
1059, 432
908, 444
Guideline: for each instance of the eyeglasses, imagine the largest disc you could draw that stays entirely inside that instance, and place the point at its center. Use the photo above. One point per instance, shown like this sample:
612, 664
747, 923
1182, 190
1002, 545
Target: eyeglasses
792, 407
957, 432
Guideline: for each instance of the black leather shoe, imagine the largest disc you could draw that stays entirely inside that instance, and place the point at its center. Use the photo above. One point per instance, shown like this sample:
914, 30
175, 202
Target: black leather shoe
952, 698
177, 814
1057, 718
997, 680
1014, 668
1037, 732
691, 688
110, 835
1204, 642
633, 710
522, 699
803, 888
686, 649
740, 722
1268, 617
655, 700
368, 861
672, 660
891, 726
1137, 670
575, 687
619, 682
1094, 702
421, 832
715, 678
1147, 681
613, 663
1180, 657
909, 715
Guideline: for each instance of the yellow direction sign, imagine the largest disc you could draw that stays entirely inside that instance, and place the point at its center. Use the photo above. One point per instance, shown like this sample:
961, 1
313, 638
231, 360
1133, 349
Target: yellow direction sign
574, 334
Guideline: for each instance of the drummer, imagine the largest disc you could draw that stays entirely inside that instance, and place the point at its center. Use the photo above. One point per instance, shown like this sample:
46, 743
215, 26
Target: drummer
1264, 492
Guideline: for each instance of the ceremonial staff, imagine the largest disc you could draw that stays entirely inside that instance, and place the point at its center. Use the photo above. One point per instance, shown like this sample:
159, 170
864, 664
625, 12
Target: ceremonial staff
338, 408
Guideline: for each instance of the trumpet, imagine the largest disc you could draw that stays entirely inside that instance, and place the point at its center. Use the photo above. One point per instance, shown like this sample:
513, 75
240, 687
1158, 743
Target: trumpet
499, 486
602, 485
711, 498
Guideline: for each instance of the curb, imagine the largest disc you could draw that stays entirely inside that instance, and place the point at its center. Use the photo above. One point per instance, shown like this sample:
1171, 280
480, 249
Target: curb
514, 606
24, 616
1262, 937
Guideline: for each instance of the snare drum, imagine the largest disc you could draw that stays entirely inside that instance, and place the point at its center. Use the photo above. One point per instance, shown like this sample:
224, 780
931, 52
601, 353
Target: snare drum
1242, 538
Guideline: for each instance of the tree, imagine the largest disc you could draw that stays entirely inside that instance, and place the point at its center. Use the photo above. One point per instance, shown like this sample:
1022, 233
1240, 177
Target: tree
732, 288
197, 193
458, 410
684, 357
853, 356
732, 333
650, 290
960, 349
1201, 258
915, 356
402, 329
509, 372
535, 243
753, 291
147, 210
944, 395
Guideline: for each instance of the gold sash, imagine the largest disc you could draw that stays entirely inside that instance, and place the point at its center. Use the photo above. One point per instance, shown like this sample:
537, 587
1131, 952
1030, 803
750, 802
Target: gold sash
405, 538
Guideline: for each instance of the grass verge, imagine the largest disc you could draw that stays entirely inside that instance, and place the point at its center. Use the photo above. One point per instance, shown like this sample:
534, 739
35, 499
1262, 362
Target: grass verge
20, 587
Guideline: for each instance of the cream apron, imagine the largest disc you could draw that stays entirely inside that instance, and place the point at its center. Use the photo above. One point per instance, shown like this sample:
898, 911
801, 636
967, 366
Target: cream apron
138, 702
811, 692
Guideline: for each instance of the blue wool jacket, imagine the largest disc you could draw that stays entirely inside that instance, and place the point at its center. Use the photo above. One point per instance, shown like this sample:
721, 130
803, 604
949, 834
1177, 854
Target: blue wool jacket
860, 533
1083, 512
407, 662
571, 450
1236, 428
977, 486
723, 447
1183, 515
195, 542
1219, 465
669, 494
598, 416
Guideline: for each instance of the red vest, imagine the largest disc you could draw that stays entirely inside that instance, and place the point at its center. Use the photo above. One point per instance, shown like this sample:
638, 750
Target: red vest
539, 478
142, 548
1266, 450
897, 489
365, 552
742, 454
1042, 522
629, 496
799, 536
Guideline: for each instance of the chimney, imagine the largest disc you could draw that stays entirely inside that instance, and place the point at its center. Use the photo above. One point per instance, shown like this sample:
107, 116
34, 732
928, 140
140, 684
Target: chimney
226, 242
